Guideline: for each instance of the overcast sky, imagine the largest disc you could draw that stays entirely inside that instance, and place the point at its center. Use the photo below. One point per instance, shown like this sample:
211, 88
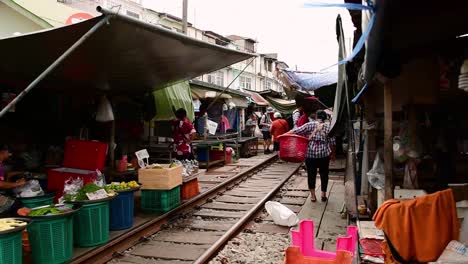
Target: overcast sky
301, 36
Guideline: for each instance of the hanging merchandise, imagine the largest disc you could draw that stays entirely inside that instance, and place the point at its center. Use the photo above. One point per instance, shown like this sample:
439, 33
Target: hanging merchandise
376, 175
104, 111
463, 78
410, 181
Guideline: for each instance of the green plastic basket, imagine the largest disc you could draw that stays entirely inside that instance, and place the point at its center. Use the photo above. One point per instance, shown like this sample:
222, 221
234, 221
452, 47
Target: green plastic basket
11, 251
92, 224
51, 240
160, 201
36, 202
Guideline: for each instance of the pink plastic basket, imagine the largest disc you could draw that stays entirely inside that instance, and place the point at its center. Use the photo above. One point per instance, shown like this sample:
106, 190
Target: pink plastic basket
293, 148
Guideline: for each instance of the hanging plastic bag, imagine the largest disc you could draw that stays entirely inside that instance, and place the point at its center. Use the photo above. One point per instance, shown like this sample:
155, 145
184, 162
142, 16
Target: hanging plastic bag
257, 132
100, 179
410, 180
464, 229
104, 111
30, 189
281, 215
376, 175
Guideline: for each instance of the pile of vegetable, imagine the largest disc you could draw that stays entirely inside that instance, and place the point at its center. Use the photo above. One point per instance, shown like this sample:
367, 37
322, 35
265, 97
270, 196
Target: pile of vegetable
122, 186
81, 194
7, 224
50, 210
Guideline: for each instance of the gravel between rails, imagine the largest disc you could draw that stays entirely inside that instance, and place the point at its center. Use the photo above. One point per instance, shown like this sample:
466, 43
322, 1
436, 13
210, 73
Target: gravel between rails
259, 248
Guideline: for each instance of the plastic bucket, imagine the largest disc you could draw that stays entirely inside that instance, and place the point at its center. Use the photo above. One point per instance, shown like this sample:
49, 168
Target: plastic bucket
34, 202
11, 250
51, 240
92, 228
121, 211
293, 148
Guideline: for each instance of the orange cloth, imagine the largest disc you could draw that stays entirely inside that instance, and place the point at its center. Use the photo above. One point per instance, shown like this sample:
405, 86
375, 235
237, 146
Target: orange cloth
421, 228
278, 128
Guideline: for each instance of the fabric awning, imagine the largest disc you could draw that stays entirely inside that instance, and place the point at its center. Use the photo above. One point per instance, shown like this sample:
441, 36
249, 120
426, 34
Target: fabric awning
311, 81
258, 99
202, 94
125, 55
283, 106
239, 102
175, 95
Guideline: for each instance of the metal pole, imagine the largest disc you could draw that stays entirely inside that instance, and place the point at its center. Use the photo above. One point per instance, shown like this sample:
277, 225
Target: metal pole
184, 16
53, 65
388, 140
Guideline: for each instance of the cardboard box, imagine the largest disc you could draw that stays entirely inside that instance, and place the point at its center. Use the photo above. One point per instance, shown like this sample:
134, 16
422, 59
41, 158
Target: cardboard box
160, 179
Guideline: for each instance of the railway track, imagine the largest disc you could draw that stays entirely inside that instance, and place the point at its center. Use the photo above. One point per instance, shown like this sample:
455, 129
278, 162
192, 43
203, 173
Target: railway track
196, 231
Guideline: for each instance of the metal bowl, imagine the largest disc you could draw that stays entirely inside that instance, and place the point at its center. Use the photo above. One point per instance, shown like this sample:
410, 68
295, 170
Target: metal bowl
18, 228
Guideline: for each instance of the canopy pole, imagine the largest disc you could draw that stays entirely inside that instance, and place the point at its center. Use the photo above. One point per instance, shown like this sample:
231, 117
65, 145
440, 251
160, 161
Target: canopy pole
227, 87
388, 142
52, 67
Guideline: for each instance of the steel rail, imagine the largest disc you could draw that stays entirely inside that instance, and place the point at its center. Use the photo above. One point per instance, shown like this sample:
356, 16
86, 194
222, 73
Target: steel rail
127, 240
236, 228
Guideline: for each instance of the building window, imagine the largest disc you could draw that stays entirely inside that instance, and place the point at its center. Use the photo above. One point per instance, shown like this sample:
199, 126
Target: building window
133, 14
245, 82
216, 78
267, 85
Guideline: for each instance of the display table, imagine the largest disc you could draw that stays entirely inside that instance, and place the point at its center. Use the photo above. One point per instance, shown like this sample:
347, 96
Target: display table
159, 152
205, 147
116, 176
248, 146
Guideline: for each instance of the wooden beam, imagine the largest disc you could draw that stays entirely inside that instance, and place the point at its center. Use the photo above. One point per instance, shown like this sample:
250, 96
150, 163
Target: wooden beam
388, 140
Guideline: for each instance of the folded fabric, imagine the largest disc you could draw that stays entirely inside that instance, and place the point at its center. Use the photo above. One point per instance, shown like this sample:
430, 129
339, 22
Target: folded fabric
418, 229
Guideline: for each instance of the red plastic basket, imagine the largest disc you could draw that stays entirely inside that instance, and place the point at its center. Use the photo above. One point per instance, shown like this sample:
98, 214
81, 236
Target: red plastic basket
189, 189
293, 148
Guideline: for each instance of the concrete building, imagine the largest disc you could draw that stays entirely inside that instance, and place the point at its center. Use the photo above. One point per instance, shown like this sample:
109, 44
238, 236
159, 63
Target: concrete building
16, 20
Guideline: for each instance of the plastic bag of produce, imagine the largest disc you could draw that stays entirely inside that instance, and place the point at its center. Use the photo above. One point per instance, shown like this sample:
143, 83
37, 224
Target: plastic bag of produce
71, 188
30, 189
281, 215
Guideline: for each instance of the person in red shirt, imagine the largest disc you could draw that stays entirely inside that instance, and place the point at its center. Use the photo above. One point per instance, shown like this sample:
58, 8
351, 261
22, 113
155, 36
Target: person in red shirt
278, 128
184, 133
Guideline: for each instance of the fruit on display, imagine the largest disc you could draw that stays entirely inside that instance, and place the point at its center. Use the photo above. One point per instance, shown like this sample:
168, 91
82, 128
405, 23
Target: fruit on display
7, 224
115, 186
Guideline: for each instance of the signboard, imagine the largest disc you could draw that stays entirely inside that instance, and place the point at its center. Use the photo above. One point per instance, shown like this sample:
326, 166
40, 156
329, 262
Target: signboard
212, 126
78, 17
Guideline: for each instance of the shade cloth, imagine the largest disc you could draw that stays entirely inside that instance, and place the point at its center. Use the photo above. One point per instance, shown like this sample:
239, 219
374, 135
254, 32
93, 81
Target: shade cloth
175, 95
283, 106
124, 56
310, 81
258, 99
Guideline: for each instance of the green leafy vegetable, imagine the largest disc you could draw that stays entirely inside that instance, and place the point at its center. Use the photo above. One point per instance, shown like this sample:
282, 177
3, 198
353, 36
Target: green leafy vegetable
45, 211
88, 188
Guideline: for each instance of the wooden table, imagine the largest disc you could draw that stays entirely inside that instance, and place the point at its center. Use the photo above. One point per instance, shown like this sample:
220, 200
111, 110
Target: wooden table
160, 152
205, 145
248, 146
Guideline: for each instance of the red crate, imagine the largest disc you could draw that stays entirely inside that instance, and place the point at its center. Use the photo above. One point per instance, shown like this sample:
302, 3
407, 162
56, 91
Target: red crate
189, 189
219, 155
85, 155
81, 160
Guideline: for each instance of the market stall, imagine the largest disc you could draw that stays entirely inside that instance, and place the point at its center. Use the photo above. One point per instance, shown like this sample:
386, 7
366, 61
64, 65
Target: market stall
412, 127
88, 67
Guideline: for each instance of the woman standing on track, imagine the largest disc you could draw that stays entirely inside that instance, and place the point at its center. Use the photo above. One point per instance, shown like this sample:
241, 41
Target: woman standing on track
319, 151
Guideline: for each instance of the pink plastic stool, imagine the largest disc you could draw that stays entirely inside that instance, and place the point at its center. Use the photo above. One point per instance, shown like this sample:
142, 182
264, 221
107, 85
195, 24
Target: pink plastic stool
304, 239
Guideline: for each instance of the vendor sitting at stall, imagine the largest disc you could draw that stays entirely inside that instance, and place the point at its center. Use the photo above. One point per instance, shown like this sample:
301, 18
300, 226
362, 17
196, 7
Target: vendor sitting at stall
6, 203
183, 132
